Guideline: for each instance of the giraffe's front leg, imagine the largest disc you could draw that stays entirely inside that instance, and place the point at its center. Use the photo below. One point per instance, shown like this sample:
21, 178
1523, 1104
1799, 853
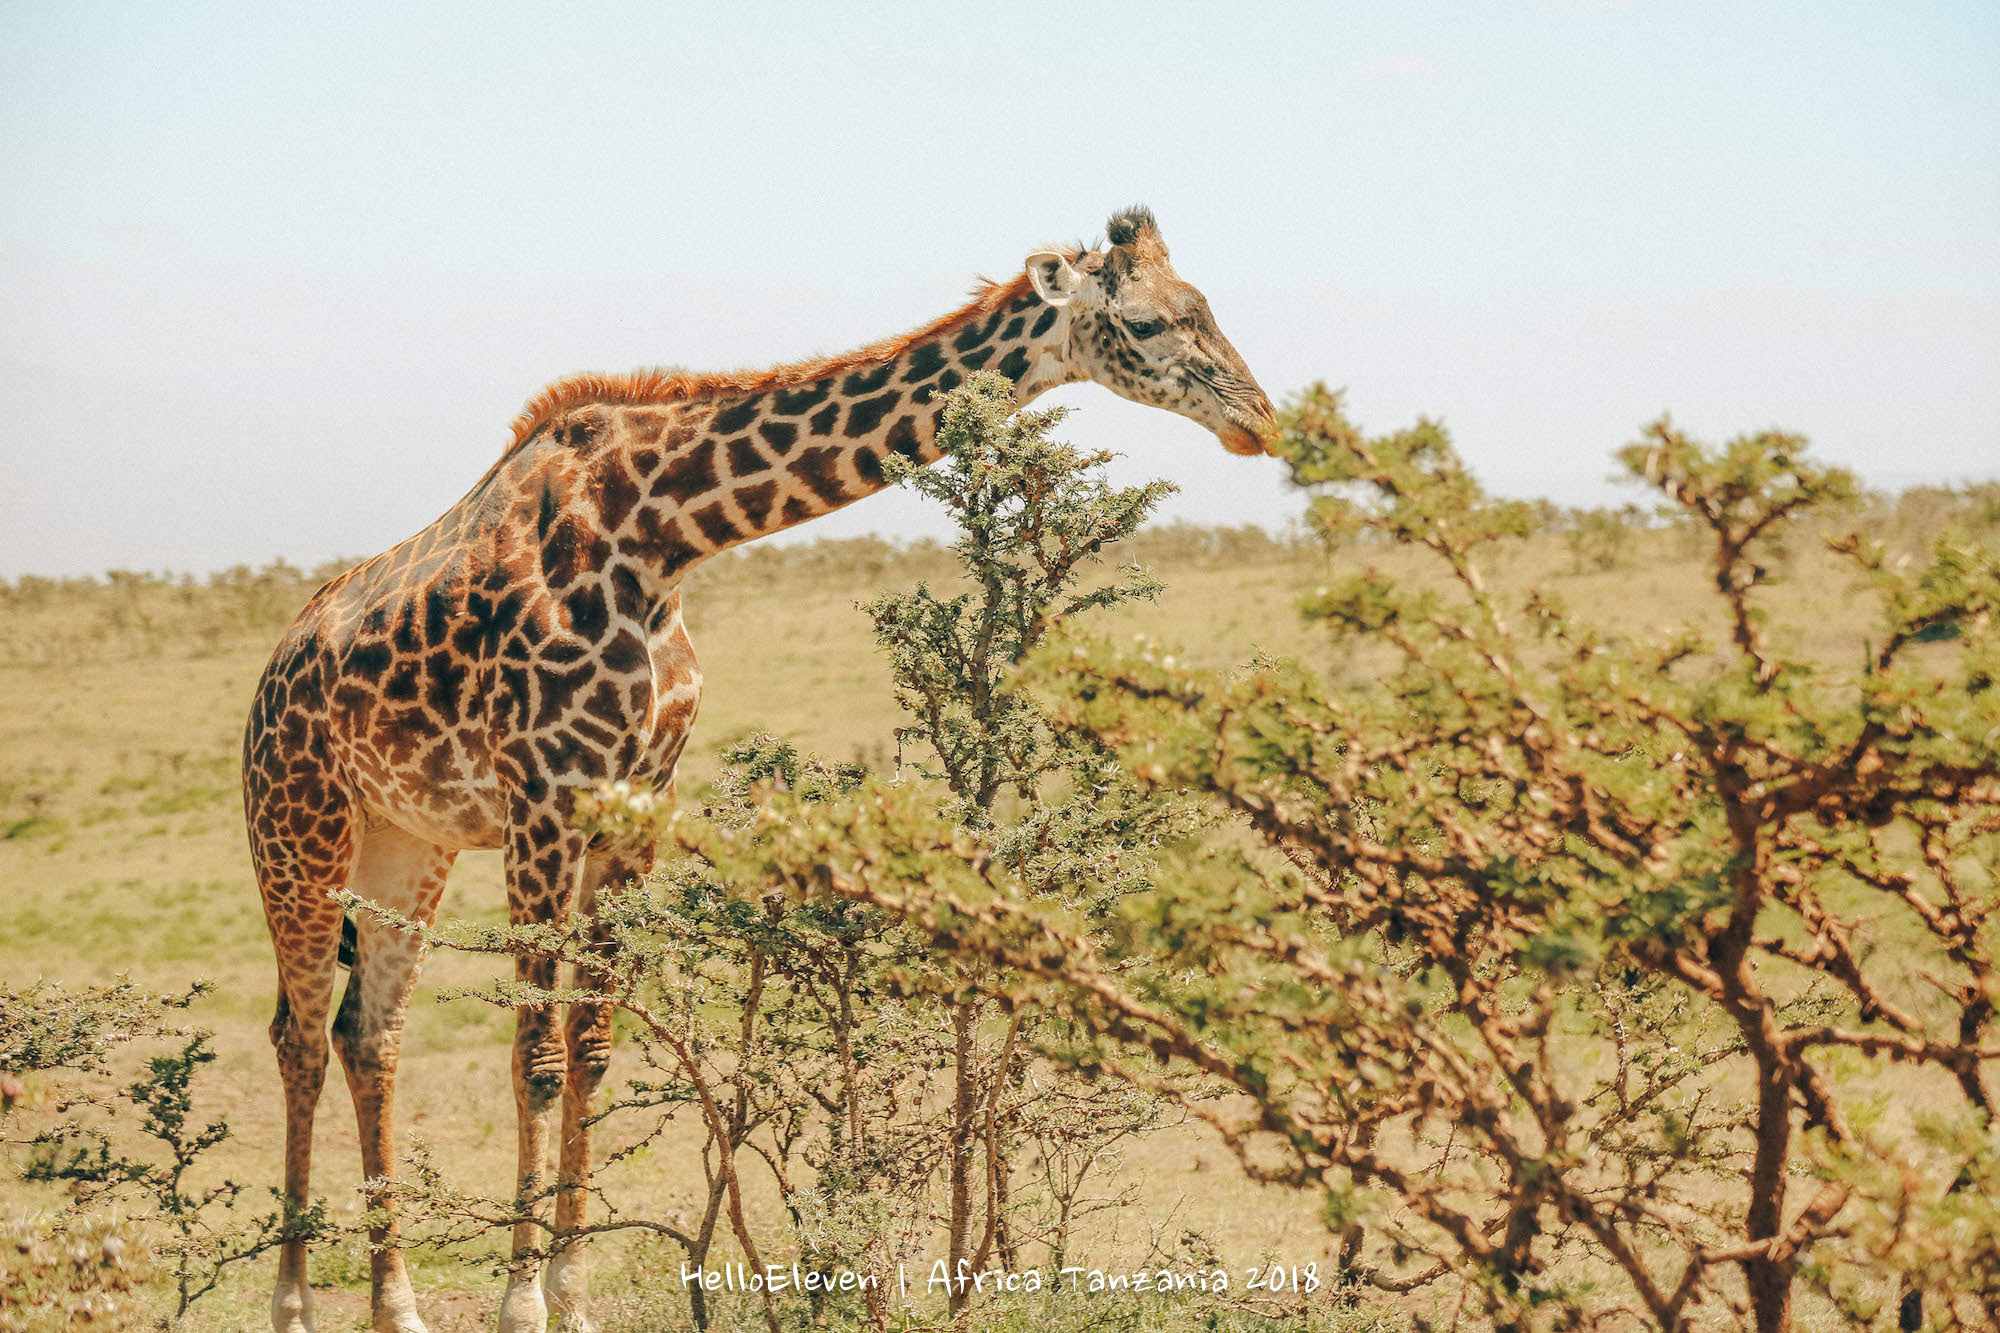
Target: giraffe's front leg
405, 875
588, 1033
543, 858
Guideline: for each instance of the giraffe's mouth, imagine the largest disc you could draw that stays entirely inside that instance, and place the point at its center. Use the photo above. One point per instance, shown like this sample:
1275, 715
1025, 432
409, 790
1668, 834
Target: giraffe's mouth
1249, 438
1241, 442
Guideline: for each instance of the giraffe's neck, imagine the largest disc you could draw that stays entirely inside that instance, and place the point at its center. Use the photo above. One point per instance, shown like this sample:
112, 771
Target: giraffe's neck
715, 474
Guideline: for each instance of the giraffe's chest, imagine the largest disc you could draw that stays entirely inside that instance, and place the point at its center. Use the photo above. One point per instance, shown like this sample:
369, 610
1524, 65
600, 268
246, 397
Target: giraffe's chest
673, 681
531, 724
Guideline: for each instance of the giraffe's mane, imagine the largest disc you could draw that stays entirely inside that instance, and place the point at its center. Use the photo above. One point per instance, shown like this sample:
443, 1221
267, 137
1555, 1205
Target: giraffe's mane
680, 386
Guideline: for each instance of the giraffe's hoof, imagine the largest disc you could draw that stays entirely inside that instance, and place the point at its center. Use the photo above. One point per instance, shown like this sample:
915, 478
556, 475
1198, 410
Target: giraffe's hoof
399, 1321
522, 1309
395, 1305
292, 1309
566, 1285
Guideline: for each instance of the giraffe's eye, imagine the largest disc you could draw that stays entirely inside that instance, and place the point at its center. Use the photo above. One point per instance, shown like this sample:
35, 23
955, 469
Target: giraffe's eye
1143, 329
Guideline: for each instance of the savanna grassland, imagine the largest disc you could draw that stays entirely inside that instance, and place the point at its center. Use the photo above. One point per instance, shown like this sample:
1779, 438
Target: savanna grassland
122, 849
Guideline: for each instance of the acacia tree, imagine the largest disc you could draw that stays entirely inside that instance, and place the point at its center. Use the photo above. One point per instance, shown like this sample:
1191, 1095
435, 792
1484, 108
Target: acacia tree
1033, 516
1640, 979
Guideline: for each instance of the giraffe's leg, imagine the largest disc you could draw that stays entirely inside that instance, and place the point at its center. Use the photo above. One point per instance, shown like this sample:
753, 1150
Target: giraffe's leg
300, 861
543, 860
588, 1039
404, 874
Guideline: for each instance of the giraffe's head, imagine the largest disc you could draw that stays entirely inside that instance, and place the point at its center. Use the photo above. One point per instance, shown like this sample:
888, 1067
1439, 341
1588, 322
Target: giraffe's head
1141, 330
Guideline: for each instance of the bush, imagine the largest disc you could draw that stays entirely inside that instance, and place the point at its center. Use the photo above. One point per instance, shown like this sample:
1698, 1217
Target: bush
1584, 974
56, 1050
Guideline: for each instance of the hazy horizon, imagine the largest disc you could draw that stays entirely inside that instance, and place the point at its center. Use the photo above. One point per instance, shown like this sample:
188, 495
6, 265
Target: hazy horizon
279, 281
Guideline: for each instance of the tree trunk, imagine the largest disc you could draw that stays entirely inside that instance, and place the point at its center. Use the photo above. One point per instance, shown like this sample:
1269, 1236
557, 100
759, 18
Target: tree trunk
963, 1107
1770, 1278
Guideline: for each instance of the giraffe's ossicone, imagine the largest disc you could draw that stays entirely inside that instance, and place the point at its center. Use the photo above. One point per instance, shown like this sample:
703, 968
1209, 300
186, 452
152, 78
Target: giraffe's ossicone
458, 689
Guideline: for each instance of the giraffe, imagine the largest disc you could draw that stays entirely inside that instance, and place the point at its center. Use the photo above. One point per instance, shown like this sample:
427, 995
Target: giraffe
458, 689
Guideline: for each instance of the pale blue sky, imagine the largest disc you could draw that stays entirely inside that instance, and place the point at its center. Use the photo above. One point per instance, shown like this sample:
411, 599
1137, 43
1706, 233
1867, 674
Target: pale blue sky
274, 279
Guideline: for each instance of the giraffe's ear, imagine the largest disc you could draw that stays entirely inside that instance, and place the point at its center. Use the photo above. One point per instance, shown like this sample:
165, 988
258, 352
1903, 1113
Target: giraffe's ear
1055, 279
